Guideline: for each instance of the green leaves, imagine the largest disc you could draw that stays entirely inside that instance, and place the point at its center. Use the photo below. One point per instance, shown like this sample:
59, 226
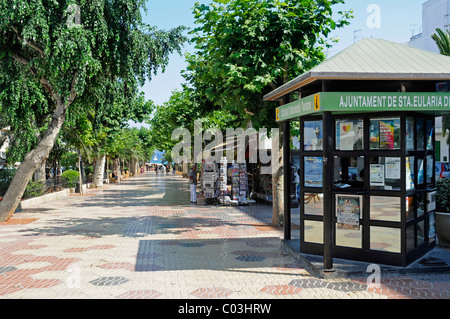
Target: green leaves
95, 64
246, 48
442, 39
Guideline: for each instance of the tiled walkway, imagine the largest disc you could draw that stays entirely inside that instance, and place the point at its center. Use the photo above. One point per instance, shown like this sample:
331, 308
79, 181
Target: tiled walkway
142, 239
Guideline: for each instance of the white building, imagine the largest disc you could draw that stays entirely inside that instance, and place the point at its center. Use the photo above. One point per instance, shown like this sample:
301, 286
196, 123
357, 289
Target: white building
435, 14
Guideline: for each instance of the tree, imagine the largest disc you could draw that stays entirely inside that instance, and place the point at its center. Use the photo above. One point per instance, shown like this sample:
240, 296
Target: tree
66, 53
247, 48
442, 39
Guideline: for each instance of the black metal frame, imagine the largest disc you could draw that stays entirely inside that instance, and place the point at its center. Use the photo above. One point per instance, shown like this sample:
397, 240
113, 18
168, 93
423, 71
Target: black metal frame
329, 249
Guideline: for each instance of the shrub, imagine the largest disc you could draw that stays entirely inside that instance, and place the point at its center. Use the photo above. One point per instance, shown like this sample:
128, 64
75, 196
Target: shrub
34, 189
70, 178
443, 195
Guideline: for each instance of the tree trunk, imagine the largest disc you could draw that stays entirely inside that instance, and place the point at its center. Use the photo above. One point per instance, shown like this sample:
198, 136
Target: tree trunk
31, 162
134, 166
277, 182
99, 168
39, 174
277, 193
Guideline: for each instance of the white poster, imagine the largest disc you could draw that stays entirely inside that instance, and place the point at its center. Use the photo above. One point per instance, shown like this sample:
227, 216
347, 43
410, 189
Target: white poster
392, 167
376, 175
346, 136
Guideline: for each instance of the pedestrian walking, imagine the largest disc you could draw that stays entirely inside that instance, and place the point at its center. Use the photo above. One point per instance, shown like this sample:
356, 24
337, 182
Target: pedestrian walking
193, 183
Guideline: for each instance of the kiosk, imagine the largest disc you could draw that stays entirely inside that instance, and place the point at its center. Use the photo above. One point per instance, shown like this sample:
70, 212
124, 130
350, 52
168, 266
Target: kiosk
366, 157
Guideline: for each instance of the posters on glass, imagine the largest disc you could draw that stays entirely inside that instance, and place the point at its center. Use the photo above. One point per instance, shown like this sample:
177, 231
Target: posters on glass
430, 168
410, 133
376, 175
392, 167
385, 134
409, 172
420, 134
431, 228
374, 134
348, 211
429, 135
312, 136
313, 171
420, 173
349, 135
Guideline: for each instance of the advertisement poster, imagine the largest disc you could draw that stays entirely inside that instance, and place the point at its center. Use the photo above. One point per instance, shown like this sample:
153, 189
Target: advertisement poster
346, 136
313, 136
348, 211
313, 171
387, 135
409, 133
376, 175
392, 167
374, 135
409, 172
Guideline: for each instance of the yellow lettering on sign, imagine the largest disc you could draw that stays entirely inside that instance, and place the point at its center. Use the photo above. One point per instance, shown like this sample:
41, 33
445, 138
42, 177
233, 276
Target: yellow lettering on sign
316, 102
277, 114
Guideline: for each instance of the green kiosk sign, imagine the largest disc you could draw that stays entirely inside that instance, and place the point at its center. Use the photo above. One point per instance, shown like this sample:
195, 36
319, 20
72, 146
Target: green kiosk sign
365, 102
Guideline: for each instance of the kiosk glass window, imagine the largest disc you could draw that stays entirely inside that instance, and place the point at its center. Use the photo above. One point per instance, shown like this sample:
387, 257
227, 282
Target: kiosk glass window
410, 237
385, 208
385, 134
430, 168
385, 239
410, 207
313, 204
349, 237
349, 172
409, 172
421, 171
430, 127
313, 231
420, 130
349, 135
312, 136
410, 133
313, 171
385, 173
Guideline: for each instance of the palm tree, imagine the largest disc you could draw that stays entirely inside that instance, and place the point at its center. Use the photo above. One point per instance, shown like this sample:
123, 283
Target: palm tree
442, 39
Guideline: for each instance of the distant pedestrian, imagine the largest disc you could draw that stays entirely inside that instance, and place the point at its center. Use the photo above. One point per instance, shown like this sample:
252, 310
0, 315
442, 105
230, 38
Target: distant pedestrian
193, 183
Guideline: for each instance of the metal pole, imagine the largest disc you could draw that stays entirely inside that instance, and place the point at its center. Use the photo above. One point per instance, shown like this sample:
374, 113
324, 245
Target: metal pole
287, 179
327, 180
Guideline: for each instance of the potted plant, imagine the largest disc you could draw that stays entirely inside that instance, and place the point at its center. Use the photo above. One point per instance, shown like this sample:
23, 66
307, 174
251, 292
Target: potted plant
443, 211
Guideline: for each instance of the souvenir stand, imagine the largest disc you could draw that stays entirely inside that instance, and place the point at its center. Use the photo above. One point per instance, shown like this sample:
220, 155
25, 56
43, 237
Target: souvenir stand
216, 183
366, 153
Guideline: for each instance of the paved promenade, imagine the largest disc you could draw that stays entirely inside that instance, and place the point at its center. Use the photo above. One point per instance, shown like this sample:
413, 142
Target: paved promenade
142, 239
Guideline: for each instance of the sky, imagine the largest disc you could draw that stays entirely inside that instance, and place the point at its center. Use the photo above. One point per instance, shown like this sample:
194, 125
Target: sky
393, 20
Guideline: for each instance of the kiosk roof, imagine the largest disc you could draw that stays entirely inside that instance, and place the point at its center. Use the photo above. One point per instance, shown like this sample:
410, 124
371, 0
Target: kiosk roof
373, 59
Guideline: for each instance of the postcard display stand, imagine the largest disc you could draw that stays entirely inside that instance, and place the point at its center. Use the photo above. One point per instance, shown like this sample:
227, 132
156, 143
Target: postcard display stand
210, 181
239, 187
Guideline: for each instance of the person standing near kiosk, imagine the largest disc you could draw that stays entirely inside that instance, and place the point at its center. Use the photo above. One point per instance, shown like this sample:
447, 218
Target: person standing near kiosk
193, 183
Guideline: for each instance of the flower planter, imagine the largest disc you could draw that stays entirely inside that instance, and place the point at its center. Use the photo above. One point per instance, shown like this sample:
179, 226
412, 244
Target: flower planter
443, 229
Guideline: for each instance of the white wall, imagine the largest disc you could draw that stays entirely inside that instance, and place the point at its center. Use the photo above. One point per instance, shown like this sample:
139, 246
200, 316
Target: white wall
435, 14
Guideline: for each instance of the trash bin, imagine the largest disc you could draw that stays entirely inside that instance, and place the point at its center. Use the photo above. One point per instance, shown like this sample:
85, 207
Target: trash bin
77, 187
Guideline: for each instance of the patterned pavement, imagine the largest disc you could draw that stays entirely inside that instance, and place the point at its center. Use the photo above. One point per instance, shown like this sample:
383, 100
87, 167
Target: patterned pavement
141, 239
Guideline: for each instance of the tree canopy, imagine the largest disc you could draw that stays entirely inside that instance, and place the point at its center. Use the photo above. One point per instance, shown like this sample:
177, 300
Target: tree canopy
246, 48
65, 56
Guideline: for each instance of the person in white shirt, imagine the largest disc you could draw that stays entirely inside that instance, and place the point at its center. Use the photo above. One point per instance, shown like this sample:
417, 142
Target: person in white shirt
193, 183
